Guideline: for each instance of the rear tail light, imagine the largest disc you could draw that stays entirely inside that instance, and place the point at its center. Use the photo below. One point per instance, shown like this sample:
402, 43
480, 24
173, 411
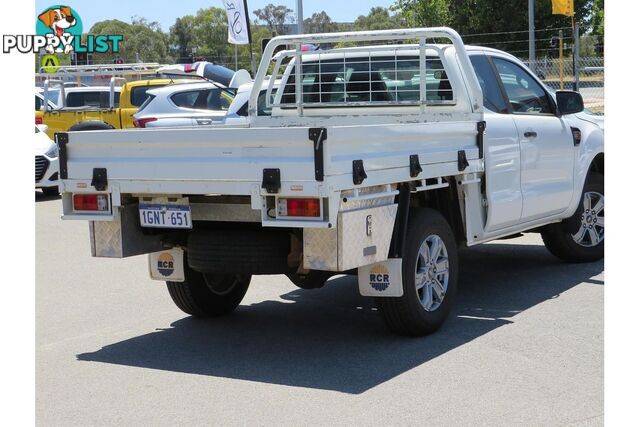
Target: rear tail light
142, 123
91, 202
39, 120
304, 208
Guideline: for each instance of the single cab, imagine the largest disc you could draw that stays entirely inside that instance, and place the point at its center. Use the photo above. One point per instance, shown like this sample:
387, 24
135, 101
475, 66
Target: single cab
377, 160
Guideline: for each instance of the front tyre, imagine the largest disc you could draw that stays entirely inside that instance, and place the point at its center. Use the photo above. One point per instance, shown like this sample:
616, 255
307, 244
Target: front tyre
581, 237
429, 276
208, 295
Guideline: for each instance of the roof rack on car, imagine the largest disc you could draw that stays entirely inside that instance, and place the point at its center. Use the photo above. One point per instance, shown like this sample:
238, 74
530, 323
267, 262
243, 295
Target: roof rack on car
90, 74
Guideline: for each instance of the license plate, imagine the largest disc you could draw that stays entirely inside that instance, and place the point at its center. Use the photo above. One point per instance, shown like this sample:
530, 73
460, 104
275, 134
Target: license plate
165, 216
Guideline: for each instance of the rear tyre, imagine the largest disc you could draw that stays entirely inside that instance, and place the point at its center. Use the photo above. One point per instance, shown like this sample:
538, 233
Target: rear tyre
208, 295
581, 237
429, 276
50, 191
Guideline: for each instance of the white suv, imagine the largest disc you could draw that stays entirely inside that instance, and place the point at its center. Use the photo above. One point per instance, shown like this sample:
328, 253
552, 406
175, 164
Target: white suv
46, 156
186, 104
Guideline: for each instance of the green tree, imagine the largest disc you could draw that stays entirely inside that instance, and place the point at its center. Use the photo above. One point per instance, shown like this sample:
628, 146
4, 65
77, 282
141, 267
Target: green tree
492, 23
210, 32
319, 23
181, 36
425, 13
207, 32
597, 23
379, 18
275, 17
141, 37
598, 17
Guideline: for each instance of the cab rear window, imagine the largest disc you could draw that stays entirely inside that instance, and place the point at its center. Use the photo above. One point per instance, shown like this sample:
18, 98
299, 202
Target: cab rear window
370, 80
91, 99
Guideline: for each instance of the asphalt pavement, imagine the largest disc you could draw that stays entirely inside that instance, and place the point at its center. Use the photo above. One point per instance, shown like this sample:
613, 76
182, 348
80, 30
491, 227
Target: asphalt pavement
523, 346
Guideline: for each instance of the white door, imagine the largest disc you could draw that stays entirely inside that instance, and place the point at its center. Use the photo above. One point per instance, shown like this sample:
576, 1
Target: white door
501, 151
546, 143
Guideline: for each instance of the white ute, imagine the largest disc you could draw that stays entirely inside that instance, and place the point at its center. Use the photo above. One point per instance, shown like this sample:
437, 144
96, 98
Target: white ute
377, 160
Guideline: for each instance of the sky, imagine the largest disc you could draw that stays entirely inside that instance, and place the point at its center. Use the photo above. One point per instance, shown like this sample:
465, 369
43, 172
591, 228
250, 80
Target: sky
165, 12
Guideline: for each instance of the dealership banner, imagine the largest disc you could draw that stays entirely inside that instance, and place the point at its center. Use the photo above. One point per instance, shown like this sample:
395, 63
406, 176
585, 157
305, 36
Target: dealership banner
239, 31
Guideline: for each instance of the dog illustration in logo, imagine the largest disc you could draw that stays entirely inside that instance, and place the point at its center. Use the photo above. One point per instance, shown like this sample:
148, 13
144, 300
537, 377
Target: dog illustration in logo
59, 20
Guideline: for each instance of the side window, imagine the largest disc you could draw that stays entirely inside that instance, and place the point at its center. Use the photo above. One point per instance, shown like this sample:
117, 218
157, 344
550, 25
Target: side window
104, 99
139, 94
263, 110
38, 104
186, 99
524, 93
491, 92
215, 100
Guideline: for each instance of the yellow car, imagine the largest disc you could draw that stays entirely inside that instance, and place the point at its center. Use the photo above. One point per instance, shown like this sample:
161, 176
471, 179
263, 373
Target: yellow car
98, 112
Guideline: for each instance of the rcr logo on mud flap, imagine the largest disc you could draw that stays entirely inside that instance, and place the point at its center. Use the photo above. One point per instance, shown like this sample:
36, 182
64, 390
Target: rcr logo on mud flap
379, 278
165, 264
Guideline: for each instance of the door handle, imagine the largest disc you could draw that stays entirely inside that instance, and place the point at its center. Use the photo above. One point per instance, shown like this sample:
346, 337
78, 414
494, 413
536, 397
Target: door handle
204, 121
530, 134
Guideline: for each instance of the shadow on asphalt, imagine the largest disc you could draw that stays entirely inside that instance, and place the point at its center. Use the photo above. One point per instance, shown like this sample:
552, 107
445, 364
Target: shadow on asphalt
40, 197
332, 338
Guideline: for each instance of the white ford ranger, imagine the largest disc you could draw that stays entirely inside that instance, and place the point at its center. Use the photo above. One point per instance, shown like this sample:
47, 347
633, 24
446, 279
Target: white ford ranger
378, 160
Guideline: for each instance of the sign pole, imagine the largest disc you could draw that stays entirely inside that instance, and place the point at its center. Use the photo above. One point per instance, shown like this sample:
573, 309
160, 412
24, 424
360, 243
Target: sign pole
236, 49
300, 18
561, 58
532, 36
253, 60
576, 55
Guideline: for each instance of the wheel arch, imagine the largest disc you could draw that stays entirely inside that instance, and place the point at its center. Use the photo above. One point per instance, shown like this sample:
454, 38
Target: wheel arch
597, 164
444, 200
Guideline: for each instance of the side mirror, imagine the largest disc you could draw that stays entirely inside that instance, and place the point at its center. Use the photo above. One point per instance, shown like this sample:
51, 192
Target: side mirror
569, 102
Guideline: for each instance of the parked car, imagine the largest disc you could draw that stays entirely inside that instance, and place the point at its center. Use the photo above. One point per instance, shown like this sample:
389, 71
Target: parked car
40, 101
109, 107
187, 104
46, 155
379, 161
238, 112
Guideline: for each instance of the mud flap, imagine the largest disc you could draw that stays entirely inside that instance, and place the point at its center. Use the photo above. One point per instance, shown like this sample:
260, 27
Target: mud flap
382, 279
167, 265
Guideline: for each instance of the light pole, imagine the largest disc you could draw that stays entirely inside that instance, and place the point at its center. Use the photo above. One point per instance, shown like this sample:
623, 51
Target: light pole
532, 36
300, 18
